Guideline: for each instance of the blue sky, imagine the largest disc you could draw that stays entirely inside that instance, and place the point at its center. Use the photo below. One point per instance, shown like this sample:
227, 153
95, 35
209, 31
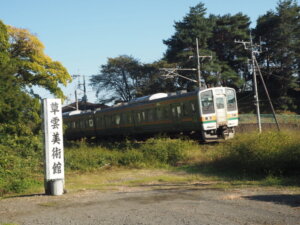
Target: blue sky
82, 34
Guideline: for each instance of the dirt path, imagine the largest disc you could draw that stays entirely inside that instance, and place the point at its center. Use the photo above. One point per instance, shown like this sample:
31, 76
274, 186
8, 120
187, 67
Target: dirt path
194, 204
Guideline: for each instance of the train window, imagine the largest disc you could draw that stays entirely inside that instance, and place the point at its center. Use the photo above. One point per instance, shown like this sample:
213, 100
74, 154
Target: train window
207, 102
174, 111
185, 109
193, 107
123, 118
178, 111
139, 117
99, 121
107, 121
143, 116
231, 100
159, 113
81, 124
150, 114
220, 103
117, 119
129, 118
112, 120
91, 123
73, 125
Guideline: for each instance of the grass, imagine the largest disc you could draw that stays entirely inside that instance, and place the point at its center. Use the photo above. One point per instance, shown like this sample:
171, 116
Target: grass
267, 159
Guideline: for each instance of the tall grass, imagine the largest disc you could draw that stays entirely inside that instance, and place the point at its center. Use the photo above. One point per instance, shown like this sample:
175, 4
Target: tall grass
154, 152
268, 153
20, 163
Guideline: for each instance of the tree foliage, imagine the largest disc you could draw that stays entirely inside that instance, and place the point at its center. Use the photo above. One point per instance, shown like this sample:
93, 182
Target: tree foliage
216, 36
124, 78
33, 66
23, 65
280, 61
120, 77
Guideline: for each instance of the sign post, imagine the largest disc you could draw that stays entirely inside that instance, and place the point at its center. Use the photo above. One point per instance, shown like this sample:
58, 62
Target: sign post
54, 148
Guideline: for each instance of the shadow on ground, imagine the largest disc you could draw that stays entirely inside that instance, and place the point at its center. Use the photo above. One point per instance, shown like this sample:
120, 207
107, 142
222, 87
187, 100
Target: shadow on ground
236, 176
290, 200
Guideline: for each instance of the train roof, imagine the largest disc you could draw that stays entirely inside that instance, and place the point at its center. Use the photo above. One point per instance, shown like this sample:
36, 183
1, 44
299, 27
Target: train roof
77, 112
141, 101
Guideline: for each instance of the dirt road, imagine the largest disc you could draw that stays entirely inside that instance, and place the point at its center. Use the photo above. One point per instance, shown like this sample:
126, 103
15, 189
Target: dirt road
194, 204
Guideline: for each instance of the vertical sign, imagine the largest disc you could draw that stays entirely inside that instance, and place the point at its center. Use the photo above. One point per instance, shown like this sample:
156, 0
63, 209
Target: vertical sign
54, 152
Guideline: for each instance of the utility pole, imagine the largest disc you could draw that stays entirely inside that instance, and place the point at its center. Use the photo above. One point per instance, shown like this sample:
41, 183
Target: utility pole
198, 64
78, 87
255, 84
84, 98
256, 49
248, 45
172, 72
199, 57
76, 100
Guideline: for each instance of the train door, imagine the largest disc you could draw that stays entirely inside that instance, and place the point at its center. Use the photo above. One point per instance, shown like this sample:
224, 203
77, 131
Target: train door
221, 109
177, 113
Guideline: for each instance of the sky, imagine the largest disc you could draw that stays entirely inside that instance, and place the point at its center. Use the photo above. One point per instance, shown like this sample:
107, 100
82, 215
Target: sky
83, 34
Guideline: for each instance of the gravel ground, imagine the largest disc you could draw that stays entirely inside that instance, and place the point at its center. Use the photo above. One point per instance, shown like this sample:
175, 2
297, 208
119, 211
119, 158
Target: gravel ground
158, 205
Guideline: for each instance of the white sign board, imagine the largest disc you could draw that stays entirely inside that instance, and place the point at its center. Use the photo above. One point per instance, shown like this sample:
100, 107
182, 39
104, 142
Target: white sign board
54, 148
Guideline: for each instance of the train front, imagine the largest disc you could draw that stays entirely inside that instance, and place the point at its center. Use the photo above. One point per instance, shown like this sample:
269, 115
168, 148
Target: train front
218, 112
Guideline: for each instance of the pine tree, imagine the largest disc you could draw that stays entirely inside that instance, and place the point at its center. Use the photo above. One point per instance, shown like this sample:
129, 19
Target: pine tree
280, 33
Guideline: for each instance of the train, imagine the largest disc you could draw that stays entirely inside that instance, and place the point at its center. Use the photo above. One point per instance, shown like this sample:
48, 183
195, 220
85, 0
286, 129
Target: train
207, 113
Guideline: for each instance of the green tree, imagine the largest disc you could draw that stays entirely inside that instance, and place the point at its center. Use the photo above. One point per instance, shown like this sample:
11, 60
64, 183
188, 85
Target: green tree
33, 67
232, 59
216, 37
23, 64
280, 61
152, 80
194, 25
120, 77
19, 112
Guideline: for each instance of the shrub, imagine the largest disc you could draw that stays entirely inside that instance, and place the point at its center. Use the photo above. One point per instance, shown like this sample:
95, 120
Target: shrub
268, 153
16, 171
154, 152
167, 151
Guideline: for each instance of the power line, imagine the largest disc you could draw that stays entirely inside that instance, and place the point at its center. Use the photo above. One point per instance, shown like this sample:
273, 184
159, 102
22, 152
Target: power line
172, 72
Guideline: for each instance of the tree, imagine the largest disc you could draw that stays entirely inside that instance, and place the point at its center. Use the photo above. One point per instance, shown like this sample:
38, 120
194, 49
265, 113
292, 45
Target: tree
33, 67
19, 112
280, 60
232, 58
119, 77
221, 70
152, 80
194, 25
23, 64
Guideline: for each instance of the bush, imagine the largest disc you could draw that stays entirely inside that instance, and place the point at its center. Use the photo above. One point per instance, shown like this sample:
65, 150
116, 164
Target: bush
268, 153
166, 151
154, 152
17, 172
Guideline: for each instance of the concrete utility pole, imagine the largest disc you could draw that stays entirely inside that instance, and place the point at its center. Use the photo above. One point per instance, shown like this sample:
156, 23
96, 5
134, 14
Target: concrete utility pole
199, 57
78, 87
198, 64
172, 72
248, 45
256, 49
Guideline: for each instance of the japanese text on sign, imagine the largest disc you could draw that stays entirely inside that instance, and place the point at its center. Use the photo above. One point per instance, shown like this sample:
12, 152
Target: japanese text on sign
54, 152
